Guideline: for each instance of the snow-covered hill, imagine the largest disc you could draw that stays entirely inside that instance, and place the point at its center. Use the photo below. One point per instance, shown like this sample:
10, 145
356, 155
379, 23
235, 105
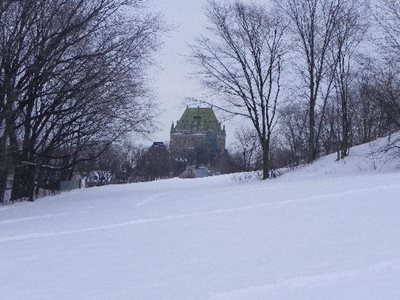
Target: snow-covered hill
326, 231
382, 155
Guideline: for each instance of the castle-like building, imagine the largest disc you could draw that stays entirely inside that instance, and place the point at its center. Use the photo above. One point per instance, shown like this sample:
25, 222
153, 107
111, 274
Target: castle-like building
198, 137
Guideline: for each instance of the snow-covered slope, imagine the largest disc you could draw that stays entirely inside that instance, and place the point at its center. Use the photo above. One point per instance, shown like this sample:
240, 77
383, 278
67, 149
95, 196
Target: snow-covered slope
378, 156
327, 231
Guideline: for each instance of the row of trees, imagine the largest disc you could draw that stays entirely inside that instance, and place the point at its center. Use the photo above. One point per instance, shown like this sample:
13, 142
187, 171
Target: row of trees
131, 162
72, 82
312, 76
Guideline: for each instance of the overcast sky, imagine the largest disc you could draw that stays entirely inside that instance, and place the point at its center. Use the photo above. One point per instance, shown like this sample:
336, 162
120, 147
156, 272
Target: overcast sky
171, 78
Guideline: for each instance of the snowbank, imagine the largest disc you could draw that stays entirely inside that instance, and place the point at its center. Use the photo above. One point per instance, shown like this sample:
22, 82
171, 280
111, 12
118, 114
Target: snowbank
327, 231
367, 158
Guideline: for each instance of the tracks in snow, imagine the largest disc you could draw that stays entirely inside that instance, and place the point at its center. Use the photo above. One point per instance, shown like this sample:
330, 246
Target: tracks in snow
153, 198
307, 282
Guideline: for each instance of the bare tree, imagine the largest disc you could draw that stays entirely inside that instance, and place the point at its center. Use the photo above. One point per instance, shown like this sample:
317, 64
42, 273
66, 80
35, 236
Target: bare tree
241, 61
293, 131
387, 17
314, 24
380, 83
384, 91
71, 76
246, 148
353, 24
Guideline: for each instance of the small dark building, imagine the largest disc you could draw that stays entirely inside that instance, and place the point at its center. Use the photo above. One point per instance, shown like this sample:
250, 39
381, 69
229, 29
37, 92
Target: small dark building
154, 164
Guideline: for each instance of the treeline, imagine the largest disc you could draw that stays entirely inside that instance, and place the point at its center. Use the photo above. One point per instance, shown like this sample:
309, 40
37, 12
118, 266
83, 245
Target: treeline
72, 82
131, 162
312, 77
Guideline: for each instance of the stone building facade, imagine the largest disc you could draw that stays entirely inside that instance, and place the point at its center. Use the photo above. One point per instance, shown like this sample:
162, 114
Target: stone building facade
198, 137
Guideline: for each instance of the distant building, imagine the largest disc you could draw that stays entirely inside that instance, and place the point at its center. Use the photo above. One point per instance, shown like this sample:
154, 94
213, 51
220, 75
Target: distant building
198, 137
158, 146
154, 164
195, 172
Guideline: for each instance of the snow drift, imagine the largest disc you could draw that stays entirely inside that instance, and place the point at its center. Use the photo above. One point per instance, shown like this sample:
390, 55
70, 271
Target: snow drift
326, 231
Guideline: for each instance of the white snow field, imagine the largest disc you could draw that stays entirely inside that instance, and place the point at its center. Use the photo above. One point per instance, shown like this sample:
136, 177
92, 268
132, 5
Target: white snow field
326, 231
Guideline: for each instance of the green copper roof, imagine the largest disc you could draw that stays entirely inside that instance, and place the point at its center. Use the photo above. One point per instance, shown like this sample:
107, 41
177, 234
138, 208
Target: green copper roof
198, 119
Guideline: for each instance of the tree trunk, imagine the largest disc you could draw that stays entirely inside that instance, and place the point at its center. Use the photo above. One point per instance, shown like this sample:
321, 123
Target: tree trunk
266, 165
25, 173
312, 153
24, 183
344, 147
3, 184
4, 166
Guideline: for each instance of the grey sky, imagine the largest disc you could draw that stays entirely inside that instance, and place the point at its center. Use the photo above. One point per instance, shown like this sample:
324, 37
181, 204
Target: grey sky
171, 78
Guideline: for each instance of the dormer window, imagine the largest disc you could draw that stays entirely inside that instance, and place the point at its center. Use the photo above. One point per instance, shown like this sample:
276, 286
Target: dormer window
196, 122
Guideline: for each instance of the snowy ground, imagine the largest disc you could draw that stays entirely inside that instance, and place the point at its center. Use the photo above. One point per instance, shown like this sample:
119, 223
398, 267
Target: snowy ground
327, 231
